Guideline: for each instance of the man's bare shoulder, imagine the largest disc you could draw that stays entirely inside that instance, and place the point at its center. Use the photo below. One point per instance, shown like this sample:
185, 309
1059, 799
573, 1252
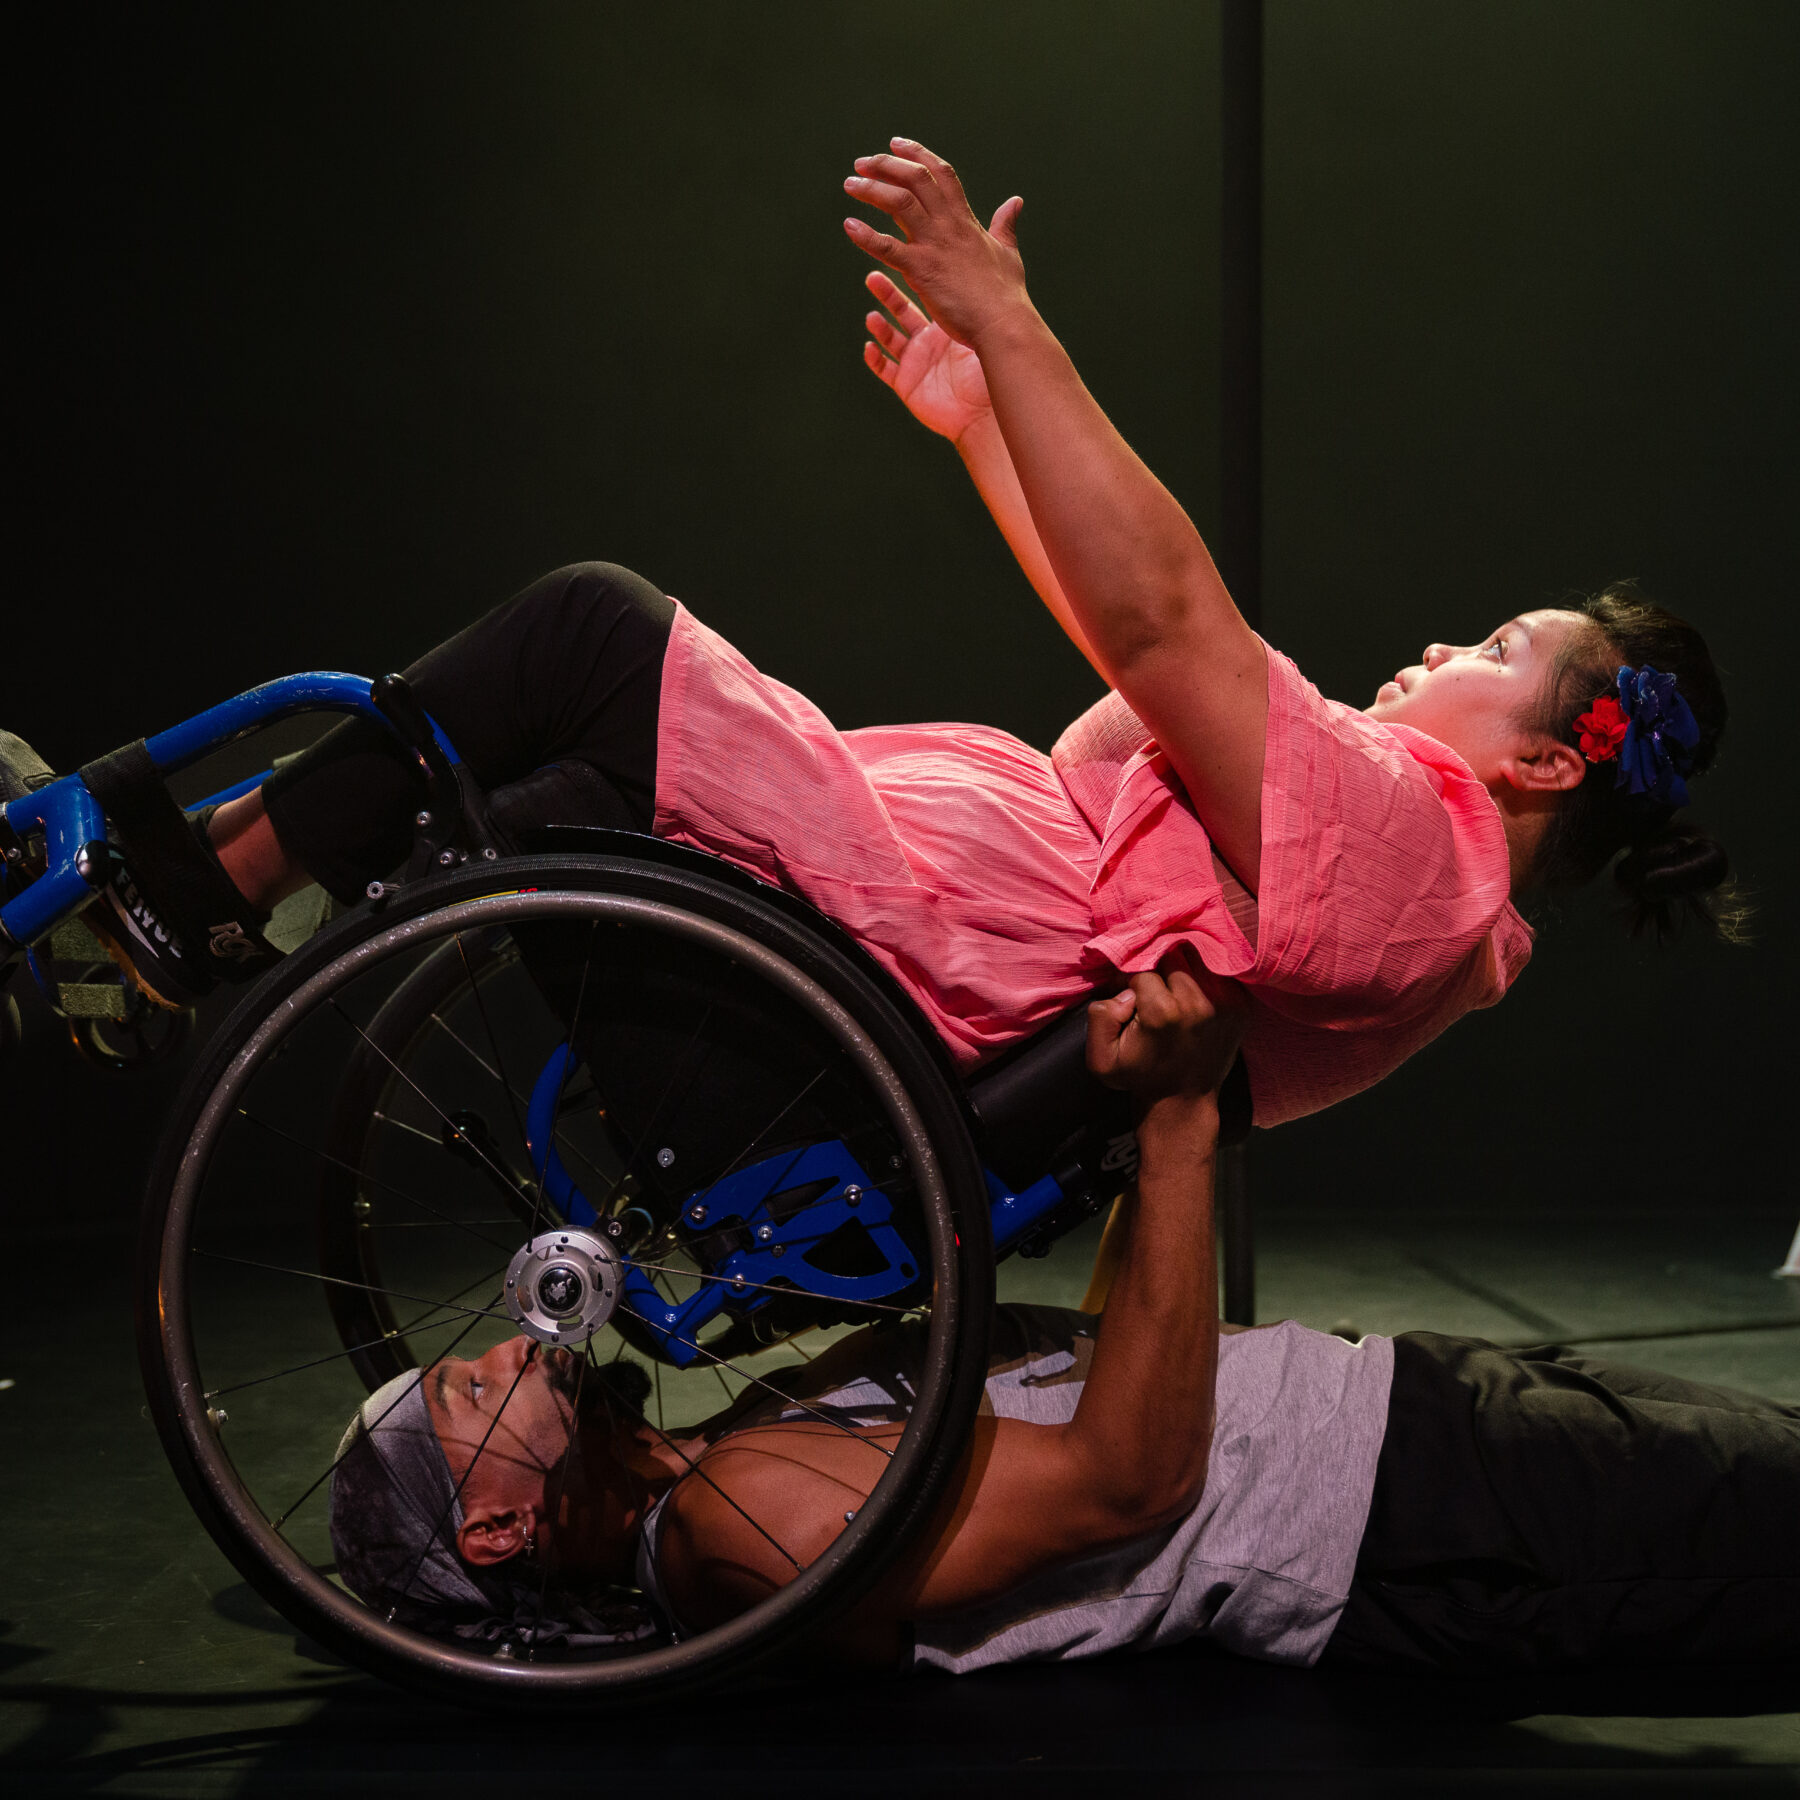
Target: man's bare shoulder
759, 1507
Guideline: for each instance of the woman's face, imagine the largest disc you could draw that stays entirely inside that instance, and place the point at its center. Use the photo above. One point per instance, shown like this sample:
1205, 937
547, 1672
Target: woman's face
1473, 697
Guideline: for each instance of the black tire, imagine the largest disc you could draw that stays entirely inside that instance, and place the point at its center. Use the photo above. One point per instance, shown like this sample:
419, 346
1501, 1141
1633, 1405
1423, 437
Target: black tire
200, 1299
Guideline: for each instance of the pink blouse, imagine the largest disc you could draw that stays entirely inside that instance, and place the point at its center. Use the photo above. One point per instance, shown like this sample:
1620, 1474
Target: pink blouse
1000, 885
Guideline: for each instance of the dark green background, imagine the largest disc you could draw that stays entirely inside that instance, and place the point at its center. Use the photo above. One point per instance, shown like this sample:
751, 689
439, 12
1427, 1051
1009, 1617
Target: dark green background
343, 323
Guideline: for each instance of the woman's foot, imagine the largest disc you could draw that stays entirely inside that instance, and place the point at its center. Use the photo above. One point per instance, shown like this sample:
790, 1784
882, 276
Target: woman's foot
125, 926
151, 952
175, 963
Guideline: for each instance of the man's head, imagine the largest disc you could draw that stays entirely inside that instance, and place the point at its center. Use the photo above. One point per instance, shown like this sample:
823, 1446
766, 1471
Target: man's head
459, 1489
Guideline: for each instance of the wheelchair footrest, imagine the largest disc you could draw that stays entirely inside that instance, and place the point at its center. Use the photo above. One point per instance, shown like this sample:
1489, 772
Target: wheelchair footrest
81, 977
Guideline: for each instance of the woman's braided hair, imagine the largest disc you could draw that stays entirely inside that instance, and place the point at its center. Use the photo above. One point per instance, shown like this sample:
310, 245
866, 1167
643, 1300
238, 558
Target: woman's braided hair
1672, 871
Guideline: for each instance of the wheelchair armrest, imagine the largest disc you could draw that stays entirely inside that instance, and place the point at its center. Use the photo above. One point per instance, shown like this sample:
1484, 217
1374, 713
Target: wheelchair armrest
1036, 1097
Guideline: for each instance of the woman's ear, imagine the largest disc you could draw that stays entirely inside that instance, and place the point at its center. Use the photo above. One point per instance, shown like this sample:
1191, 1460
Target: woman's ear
494, 1535
1544, 767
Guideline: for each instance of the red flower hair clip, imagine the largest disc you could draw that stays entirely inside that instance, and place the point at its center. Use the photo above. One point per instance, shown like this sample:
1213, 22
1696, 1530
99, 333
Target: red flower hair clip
1602, 729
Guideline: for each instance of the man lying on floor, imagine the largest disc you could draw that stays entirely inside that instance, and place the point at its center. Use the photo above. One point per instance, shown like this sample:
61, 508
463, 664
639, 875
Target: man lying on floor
1136, 1479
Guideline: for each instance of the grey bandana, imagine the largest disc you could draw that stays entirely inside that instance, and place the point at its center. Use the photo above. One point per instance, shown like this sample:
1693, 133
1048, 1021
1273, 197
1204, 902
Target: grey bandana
395, 1516
394, 1510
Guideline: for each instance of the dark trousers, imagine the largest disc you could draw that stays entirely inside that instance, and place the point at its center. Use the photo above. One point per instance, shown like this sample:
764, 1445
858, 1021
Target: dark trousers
567, 673
1539, 1508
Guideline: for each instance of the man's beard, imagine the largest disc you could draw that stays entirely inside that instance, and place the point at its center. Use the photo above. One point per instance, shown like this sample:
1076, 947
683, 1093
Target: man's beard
583, 1385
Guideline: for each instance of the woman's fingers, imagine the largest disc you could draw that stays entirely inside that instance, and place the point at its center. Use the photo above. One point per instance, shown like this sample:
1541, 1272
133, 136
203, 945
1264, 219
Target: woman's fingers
907, 191
900, 204
884, 366
909, 150
1005, 227
886, 333
911, 318
899, 171
878, 244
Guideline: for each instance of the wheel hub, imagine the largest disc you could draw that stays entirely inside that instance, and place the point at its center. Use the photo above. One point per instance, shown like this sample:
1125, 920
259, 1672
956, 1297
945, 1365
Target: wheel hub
562, 1286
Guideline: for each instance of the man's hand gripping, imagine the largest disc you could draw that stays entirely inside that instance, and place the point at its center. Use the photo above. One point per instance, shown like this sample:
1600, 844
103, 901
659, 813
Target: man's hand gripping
1167, 1036
1169, 1039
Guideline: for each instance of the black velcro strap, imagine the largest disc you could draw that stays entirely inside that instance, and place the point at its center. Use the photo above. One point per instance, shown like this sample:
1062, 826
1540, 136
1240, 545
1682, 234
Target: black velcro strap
171, 866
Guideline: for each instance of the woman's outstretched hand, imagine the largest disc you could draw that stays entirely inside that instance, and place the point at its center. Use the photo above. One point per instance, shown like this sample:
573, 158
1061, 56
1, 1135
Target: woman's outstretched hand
939, 381
968, 277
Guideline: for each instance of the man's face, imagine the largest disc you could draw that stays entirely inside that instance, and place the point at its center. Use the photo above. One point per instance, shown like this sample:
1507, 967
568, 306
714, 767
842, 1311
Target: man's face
512, 1398
506, 1421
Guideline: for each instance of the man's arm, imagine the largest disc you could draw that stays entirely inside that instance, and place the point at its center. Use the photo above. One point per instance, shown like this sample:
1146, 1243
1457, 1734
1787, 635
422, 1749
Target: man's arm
1027, 1497
1138, 581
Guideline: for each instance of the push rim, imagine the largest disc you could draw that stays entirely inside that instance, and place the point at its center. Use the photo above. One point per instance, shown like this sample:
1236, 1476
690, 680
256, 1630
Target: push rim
949, 1383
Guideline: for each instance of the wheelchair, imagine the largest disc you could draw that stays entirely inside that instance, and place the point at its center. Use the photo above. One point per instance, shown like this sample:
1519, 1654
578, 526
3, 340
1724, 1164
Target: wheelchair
607, 1092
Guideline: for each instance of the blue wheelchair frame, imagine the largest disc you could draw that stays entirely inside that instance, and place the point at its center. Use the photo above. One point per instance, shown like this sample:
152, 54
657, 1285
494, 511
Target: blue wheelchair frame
74, 827
773, 1252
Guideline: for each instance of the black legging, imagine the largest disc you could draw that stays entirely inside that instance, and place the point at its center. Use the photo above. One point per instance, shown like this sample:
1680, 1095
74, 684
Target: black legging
1536, 1508
567, 673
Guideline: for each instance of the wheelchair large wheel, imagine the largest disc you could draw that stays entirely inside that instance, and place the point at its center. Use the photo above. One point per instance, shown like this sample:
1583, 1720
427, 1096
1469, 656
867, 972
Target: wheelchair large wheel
725, 1109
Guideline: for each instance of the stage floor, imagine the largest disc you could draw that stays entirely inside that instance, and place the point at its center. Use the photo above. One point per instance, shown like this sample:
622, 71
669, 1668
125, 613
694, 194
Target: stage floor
136, 1662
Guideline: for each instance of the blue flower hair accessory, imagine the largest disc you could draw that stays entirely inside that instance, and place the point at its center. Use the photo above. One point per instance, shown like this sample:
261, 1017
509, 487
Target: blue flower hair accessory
1660, 736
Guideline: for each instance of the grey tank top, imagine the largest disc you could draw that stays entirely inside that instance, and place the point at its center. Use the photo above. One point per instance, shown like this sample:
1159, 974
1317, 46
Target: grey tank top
1261, 1566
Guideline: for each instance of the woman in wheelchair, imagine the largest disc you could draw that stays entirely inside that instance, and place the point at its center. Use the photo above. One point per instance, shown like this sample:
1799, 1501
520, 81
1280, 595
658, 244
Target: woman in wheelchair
613, 1088
1357, 872
1420, 1501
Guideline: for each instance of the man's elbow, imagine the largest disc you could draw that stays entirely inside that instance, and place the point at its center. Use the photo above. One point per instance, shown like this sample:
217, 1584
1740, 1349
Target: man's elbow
1136, 1502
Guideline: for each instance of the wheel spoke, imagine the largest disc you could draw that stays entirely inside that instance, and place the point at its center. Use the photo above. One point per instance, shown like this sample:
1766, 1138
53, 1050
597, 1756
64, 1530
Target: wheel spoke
587, 966
662, 1099
785, 1398
422, 1322
434, 1224
456, 1494
693, 1468
554, 1502
402, 1125
362, 1175
500, 1175
737, 1162
462, 1043
282, 1518
498, 1071
764, 1287
368, 1287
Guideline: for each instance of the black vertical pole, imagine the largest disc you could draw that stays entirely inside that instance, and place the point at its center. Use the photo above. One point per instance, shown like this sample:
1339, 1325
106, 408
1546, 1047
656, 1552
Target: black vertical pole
1240, 336
1240, 421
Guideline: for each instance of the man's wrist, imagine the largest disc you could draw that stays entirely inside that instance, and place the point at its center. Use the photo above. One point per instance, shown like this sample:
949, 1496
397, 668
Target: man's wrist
1181, 1124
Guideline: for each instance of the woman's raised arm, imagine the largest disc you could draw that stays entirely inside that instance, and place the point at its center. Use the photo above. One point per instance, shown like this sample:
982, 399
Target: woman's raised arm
940, 382
1138, 581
